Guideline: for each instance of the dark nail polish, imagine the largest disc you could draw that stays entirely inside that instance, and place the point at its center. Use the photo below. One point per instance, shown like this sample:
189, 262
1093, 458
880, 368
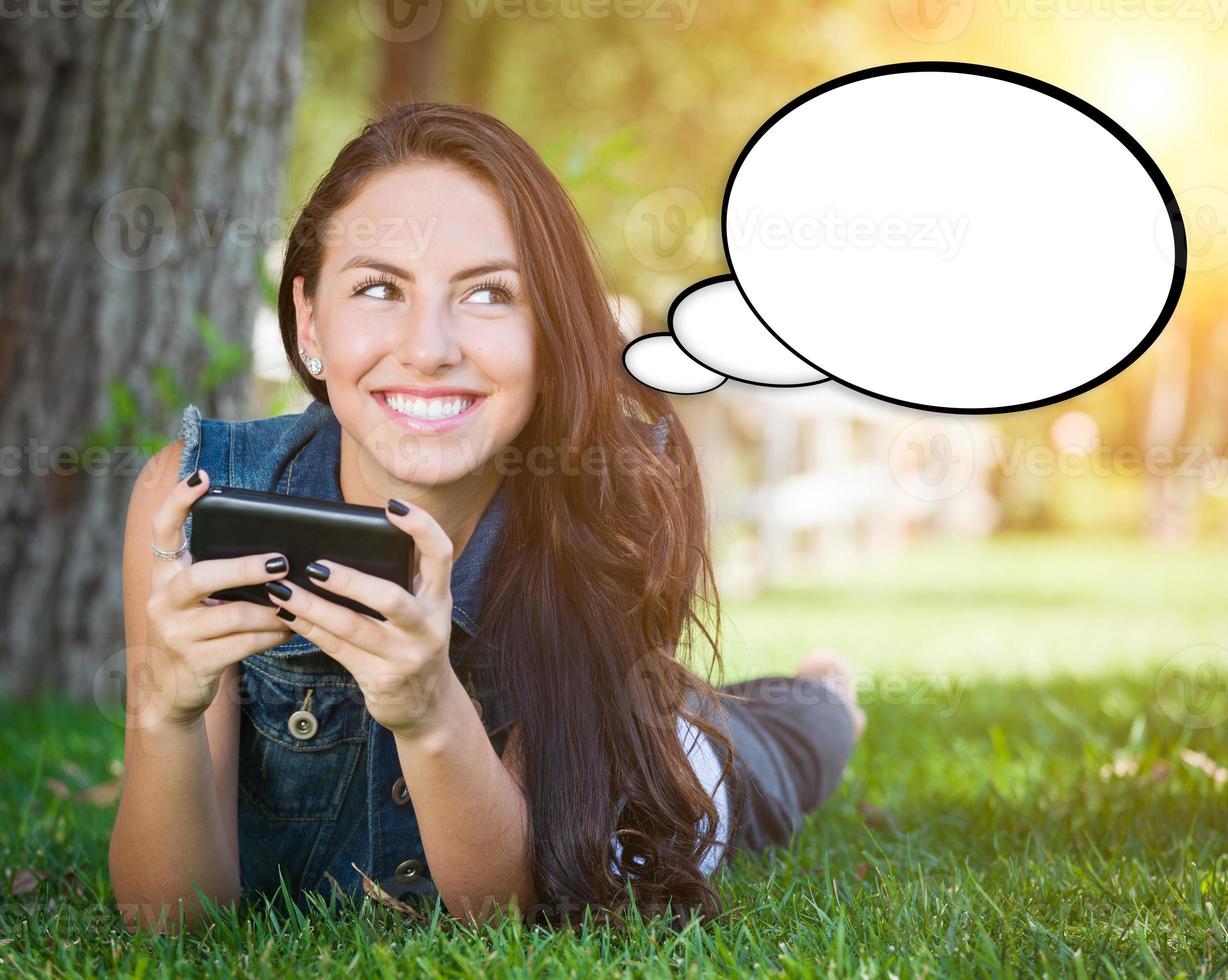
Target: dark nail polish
286, 615
318, 571
398, 508
275, 566
194, 479
279, 589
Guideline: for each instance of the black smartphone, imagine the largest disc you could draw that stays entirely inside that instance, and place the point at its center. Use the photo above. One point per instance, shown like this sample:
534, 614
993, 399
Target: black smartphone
229, 522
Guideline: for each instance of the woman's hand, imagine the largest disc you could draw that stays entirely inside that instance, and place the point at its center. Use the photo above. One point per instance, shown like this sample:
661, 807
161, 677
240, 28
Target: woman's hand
400, 664
192, 638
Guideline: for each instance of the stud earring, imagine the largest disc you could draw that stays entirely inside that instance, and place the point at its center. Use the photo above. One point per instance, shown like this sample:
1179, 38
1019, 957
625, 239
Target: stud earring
314, 364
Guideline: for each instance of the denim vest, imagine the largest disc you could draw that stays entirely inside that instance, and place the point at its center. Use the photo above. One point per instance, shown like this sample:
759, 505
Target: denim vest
320, 788
324, 792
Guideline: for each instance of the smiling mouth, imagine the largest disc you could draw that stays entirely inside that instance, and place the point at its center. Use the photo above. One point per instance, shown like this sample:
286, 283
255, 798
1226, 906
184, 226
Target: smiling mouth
429, 413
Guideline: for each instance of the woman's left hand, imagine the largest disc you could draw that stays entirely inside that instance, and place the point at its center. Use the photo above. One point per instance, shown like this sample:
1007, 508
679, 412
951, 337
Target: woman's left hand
400, 664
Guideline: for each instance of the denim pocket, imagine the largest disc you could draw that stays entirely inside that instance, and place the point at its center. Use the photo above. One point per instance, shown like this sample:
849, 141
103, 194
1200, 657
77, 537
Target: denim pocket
300, 739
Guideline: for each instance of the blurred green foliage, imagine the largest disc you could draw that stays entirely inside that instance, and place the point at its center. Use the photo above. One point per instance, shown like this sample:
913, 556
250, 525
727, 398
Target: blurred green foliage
129, 423
661, 101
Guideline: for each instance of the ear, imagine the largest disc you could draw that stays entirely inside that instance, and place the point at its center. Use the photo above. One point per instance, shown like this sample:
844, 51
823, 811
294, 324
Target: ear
304, 315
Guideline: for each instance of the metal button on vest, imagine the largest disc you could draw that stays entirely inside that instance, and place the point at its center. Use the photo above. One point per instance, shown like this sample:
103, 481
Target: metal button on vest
409, 869
303, 724
400, 792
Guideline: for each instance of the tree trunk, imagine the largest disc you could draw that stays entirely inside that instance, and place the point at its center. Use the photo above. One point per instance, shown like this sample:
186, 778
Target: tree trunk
411, 49
142, 152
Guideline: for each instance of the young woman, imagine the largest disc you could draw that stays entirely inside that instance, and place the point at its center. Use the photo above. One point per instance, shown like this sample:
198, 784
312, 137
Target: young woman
523, 726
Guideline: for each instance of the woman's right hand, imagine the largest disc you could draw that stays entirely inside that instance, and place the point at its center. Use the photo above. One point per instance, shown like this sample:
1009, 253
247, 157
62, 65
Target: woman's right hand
192, 638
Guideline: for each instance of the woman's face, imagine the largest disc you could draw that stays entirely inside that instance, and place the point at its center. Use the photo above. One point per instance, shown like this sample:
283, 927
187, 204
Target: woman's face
421, 319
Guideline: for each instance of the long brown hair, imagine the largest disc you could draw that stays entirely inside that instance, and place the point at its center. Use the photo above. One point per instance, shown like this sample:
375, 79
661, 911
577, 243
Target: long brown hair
593, 588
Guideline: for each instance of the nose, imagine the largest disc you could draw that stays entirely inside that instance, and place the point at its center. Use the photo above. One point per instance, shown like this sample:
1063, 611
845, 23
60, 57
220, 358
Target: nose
429, 341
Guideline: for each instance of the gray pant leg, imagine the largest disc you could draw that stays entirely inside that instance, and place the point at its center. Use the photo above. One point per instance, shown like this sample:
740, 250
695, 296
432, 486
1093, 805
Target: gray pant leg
792, 740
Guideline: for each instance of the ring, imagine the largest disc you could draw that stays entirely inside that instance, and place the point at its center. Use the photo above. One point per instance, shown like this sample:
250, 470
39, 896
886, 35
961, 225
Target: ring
170, 555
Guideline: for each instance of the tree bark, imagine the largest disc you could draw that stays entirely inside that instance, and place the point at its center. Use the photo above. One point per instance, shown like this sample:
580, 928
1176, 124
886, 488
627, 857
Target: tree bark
142, 147
411, 51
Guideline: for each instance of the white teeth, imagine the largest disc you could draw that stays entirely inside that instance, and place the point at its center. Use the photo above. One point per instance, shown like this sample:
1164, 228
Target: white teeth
420, 408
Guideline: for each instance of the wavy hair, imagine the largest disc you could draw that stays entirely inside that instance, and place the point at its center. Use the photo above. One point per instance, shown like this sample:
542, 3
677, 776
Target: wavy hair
594, 585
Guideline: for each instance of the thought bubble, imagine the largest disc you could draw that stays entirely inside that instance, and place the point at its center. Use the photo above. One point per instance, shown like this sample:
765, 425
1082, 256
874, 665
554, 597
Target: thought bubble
945, 236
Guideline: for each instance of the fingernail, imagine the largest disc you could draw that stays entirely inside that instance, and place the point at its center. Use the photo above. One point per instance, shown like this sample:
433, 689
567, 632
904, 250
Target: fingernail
279, 589
398, 508
318, 571
275, 566
286, 615
194, 479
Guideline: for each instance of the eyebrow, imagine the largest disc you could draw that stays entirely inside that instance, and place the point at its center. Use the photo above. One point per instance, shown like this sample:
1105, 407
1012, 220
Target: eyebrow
370, 262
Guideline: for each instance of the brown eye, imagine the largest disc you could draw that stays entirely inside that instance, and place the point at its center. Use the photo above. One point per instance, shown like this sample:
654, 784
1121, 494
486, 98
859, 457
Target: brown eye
495, 287
490, 292
378, 289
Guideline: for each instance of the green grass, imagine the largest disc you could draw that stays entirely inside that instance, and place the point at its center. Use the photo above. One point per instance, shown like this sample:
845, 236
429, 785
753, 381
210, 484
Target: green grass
979, 829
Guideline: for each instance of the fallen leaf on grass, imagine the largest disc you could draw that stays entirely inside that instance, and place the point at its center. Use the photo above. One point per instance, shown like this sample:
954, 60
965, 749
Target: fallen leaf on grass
25, 880
341, 895
74, 885
875, 816
104, 794
377, 894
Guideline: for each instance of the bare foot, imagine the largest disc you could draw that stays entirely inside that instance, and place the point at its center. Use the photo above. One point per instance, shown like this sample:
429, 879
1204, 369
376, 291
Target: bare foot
833, 668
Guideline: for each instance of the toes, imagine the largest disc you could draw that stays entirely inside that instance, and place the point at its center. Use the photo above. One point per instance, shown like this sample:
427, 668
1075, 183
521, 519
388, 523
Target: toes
824, 661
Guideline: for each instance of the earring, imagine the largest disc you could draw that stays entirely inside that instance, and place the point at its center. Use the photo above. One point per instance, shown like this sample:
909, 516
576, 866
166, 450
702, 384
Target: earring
314, 364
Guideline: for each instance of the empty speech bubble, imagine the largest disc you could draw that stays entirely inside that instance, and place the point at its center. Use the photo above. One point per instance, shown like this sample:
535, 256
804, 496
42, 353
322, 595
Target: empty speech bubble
946, 236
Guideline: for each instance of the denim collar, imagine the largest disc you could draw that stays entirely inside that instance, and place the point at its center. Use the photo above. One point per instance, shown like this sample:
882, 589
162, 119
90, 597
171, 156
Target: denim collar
312, 444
